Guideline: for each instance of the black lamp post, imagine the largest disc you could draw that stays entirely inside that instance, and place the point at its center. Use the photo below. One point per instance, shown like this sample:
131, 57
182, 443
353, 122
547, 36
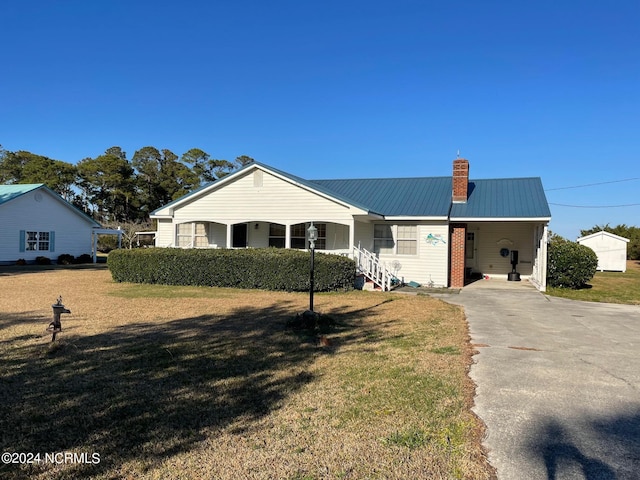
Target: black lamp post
313, 236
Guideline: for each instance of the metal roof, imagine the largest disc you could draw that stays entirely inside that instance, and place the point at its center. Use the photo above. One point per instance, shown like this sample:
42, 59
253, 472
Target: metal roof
503, 198
416, 197
9, 192
419, 197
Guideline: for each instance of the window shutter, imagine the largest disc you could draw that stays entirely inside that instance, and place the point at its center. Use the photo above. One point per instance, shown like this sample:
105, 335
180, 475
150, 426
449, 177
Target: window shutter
52, 241
23, 236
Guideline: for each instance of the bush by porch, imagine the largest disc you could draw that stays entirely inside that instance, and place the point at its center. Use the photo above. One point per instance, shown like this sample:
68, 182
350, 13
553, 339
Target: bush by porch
263, 268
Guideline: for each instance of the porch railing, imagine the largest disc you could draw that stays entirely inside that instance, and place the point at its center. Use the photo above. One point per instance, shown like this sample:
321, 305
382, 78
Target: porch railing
372, 268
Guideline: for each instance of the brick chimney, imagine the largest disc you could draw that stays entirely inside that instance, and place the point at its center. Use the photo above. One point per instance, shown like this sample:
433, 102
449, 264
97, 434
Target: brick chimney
460, 180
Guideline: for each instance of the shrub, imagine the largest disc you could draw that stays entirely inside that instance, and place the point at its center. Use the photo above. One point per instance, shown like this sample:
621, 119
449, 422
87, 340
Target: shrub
43, 261
21, 261
570, 265
65, 259
263, 268
84, 258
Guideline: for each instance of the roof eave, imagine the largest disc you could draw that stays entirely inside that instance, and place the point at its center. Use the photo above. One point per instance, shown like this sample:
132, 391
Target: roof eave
401, 218
500, 219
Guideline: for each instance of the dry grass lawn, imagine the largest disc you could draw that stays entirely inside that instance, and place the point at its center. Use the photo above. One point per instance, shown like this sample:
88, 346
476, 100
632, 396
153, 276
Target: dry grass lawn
190, 383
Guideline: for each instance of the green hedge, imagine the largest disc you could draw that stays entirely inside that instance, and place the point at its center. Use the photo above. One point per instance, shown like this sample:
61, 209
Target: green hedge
263, 268
571, 265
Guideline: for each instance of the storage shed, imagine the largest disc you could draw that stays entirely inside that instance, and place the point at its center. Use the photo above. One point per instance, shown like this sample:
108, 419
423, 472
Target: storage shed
611, 250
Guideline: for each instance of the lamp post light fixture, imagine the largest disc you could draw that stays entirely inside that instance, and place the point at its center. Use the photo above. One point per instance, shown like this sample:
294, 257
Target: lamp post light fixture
313, 236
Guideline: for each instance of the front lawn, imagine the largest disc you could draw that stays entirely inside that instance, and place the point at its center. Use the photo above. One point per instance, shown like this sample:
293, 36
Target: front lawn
186, 382
609, 287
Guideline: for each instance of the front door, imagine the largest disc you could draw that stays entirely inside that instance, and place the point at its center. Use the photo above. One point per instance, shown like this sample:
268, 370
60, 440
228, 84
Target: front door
471, 253
240, 235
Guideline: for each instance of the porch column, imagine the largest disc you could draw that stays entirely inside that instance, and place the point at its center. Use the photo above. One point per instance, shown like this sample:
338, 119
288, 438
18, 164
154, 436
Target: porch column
352, 235
287, 236
229, 236
457, 253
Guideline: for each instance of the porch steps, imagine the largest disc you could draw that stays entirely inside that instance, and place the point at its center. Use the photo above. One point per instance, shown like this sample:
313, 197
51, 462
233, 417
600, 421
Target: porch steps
375, 274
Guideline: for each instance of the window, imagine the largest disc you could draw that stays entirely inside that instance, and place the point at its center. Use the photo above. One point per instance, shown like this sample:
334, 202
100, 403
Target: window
184, 231
277, 234
192, 235
299, 236
407, 240
383, 239
37, 241
200, 235
395, 239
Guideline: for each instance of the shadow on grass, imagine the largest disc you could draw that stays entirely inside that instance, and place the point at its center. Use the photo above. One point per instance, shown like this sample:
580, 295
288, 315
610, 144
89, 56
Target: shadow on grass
607, 448
11, 270
147, 391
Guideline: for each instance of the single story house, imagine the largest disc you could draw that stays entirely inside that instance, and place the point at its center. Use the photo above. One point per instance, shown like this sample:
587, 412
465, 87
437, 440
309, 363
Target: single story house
37, 222
436, 231
611, 250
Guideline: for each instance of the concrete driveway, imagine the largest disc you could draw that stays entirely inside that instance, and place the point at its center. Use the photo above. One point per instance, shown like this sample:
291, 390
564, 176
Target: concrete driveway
558, 383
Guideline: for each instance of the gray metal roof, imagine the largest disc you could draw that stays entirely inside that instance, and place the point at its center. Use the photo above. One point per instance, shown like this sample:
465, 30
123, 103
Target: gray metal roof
419, 197
503, 198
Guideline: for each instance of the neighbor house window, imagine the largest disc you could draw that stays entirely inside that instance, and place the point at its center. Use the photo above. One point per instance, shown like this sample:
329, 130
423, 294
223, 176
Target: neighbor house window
277, 234
37, 241
395, 239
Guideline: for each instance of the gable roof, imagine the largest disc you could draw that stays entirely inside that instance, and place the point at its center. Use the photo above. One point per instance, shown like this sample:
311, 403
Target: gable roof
603, 233
507, 198
504, 198
11, 192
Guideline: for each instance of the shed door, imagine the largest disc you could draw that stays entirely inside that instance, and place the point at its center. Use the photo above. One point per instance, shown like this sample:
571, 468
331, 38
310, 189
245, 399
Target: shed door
240, 235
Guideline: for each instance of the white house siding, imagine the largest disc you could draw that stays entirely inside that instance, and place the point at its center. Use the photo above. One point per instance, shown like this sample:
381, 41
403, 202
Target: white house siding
491, 237
38, 211
431, 264
244, 200
611, 250
165, 235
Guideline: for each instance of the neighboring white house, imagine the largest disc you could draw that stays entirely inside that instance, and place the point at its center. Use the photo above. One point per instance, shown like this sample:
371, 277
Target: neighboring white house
430, 230
611, 250
35, 221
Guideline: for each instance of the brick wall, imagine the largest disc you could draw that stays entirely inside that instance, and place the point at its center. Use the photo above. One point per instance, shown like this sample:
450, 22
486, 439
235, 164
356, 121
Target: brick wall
458, 239
460, 179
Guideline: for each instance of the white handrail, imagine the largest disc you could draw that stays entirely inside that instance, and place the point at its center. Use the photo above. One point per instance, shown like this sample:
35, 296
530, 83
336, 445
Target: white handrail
371, 267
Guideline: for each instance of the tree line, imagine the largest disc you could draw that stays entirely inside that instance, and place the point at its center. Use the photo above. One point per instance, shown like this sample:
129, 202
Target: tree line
112, 188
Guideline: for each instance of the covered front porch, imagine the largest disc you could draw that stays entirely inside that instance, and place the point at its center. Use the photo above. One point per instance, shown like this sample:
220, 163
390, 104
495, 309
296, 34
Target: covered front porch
332, 237
491, 247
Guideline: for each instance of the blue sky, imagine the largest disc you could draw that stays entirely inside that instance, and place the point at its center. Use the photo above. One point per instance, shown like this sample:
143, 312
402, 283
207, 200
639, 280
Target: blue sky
337, 89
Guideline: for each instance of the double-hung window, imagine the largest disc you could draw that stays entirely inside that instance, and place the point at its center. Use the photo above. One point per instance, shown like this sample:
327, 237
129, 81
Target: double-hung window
395, 239
277, 234
299, 236
407, 240
194, 234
